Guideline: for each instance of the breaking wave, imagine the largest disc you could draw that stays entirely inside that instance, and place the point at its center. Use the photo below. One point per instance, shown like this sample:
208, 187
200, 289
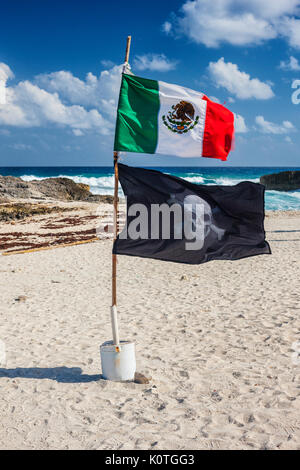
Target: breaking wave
98, 185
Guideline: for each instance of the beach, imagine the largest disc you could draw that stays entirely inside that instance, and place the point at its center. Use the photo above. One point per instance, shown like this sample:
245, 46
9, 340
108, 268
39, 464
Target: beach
217, 340
150, 210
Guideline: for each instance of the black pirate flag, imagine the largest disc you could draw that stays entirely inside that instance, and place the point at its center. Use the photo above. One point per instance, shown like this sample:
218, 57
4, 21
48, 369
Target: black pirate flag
171, 219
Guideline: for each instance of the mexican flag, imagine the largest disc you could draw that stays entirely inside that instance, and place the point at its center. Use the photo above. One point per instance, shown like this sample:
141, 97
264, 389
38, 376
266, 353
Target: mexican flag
157, 117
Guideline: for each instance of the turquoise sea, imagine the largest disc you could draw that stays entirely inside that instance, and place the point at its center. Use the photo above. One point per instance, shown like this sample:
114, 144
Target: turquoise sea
100, 179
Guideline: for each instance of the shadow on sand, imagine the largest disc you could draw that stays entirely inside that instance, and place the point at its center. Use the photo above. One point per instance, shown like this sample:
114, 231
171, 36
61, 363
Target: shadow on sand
285, 240
282, 231
59, 374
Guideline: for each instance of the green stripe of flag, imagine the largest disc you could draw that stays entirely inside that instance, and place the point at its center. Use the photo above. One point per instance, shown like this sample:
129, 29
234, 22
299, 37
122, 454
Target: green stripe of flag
137, 116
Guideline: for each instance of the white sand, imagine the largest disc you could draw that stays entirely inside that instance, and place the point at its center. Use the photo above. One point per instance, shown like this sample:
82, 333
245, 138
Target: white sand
216, 340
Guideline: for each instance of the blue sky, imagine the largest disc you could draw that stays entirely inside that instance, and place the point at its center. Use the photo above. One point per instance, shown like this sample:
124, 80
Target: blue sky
60, 62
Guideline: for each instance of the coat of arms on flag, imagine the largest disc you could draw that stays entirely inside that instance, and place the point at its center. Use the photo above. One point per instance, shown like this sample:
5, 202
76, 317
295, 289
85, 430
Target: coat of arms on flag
181, 118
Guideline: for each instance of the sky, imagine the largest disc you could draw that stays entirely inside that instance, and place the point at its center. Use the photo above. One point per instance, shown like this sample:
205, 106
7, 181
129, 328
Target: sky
60, 66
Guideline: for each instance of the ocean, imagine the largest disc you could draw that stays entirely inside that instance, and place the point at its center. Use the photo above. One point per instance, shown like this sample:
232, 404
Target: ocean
100, 179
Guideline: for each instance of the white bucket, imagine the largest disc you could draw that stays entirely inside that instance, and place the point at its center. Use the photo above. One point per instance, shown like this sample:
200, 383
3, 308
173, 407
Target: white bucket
118, 366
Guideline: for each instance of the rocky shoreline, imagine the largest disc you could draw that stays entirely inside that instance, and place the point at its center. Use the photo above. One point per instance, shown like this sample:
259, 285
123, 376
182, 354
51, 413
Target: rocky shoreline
49, 189
22, 200
283, 181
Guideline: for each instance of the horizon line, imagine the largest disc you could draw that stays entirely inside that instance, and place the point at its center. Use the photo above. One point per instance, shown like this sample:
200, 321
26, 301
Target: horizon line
152, 166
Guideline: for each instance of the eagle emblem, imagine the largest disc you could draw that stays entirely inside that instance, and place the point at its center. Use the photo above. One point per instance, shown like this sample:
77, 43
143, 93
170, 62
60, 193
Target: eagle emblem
181, 119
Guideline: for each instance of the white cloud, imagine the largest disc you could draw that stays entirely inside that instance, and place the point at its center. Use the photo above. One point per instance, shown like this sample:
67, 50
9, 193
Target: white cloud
215, 99
107, 63
288, 139
63, 100
5, 72
291, 65
154, 62
237, 22
290, 29
30, 106
70, 148
21, 147
267, 127
166, 27
240, 84
77, 132
240, 124
101, 92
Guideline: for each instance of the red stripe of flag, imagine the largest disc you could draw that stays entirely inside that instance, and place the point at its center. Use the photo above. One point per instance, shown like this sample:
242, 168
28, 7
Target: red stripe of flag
218, 131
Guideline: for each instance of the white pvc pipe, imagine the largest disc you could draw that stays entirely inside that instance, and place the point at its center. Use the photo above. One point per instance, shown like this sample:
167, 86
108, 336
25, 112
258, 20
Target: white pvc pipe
115, 327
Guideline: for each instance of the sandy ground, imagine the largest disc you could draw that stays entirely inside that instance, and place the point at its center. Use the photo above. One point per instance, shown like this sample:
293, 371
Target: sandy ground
217, 340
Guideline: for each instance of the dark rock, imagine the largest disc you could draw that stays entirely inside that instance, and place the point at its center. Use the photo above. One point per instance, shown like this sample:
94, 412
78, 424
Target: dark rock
63, 189
21, 298
141, 379
11, 186
86, 187
284, 181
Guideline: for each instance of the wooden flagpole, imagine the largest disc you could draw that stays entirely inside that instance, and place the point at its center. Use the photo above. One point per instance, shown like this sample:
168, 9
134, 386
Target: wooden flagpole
114, 318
